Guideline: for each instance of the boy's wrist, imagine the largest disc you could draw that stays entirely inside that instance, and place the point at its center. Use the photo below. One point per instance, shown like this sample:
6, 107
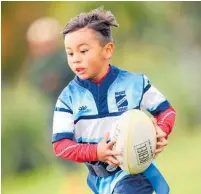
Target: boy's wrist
164, 129
94, 154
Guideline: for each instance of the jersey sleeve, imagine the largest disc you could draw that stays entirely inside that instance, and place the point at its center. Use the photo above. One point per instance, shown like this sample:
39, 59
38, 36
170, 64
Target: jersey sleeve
77, 152
152, 100
63, 133
166, 120
155, 103
63, 122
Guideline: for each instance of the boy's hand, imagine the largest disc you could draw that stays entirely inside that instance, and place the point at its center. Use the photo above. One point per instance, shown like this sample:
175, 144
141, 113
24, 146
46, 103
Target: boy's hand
161, 140
105, 152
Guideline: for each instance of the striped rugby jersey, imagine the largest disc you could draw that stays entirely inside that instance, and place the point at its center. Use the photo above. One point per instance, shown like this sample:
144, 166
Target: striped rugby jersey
85, 111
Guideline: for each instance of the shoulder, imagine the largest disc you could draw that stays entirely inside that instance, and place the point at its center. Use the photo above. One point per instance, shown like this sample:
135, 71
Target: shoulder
72, 90
132, 79
68, 90
124, 74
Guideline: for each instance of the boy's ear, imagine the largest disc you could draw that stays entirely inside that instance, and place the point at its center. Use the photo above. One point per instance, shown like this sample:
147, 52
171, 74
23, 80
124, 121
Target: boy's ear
108, 50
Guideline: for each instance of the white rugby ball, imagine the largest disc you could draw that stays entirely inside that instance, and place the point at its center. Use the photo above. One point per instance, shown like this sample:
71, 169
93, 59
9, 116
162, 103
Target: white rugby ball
135, 137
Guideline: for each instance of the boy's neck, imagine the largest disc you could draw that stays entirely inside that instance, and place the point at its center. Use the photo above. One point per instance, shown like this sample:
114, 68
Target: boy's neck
98, 81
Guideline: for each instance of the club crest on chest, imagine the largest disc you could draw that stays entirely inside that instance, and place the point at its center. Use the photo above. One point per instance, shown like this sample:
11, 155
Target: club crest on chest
121, 101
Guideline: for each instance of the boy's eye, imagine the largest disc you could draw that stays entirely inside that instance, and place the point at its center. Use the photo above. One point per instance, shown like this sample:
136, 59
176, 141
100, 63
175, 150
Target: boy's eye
84, 51
70, 54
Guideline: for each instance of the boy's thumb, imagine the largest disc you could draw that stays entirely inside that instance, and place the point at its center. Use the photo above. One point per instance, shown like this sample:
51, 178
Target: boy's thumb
106, 137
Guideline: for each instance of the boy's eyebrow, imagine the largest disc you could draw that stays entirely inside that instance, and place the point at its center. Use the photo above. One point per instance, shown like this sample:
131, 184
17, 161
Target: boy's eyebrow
79, 45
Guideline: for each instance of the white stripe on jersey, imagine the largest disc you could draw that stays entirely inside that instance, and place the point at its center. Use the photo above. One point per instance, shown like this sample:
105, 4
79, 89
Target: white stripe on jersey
63, 122
152, 98
94, 129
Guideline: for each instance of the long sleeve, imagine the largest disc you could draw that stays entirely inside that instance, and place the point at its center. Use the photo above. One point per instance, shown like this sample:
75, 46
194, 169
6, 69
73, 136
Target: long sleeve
77, 152
63, 124
156, 103
166, 120
63, 133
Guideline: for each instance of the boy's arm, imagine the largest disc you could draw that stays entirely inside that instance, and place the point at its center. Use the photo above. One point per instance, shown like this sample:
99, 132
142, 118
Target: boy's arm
166, 120
66, 148
154, 102
63, 132
70, 150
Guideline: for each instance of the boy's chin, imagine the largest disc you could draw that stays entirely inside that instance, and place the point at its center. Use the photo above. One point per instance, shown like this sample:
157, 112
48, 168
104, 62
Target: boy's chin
83, 77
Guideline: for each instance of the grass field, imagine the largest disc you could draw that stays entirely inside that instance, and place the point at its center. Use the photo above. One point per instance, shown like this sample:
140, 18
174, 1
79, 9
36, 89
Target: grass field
180, 163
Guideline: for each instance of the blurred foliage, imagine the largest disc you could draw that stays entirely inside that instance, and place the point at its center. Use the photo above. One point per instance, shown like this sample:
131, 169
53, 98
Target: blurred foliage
160, 39
25, 137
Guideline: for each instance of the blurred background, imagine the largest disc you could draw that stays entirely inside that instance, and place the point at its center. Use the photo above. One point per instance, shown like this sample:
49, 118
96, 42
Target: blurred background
160, 39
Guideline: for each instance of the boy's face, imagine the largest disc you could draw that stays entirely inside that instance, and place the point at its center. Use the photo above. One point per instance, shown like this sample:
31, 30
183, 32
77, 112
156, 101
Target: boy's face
86, 57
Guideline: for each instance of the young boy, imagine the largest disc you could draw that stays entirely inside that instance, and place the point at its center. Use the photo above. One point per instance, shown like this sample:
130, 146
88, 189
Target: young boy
95, 98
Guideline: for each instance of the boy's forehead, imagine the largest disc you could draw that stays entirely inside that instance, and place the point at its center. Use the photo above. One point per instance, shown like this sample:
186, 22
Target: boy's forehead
80, 37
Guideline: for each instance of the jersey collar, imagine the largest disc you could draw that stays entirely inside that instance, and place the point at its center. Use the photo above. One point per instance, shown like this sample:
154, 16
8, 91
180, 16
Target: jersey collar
105, 83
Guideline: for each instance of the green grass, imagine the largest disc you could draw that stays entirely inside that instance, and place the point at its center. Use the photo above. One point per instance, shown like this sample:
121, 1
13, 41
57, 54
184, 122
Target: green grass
180, 163
41, 181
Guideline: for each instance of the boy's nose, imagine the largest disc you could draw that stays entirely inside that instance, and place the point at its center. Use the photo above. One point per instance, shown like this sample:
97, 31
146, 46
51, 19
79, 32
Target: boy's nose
76, 59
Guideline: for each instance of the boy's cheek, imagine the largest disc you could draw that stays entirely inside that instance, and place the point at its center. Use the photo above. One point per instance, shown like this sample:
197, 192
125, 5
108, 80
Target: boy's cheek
71, 66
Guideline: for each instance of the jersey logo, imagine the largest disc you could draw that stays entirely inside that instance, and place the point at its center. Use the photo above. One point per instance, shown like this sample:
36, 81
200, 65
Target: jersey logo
82, 108
121, 101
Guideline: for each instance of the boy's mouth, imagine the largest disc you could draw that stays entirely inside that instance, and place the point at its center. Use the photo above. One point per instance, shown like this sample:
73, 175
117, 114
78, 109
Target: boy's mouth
80, 70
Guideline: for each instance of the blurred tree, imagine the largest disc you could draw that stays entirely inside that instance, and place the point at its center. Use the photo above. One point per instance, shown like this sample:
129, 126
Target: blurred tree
16, 17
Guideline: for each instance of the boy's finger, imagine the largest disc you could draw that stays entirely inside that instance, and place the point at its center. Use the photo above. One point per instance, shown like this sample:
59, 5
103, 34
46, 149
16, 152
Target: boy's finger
110, 144
106, 137
110, 163
159, 150
159, 135
162, 143
113, 161
115, 153
165, 141
154, 121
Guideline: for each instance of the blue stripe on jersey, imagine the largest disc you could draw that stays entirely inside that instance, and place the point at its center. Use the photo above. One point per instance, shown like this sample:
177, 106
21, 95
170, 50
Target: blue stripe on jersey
147, 88
156, 179
87, 140
113, 114
66, 105
160, 108
60, 136
63, 110
98, 116
142, 90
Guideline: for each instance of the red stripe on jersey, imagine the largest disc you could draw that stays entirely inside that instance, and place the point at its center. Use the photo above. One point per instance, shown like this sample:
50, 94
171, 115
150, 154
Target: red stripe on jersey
166, 120
77, 152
